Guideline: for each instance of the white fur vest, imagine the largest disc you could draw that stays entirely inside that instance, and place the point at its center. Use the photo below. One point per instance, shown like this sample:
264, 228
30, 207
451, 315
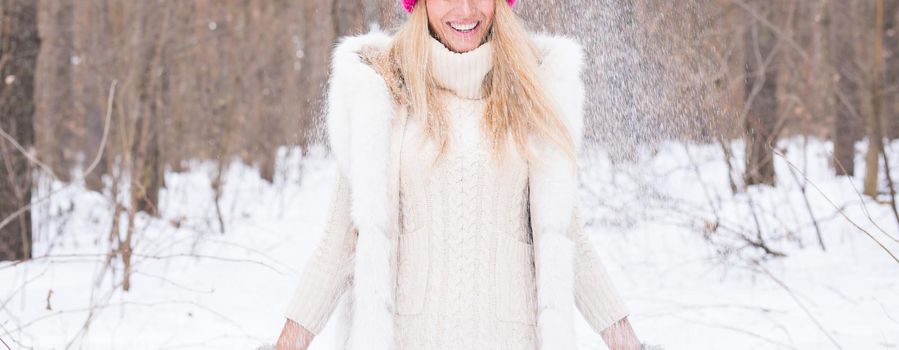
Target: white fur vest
364, 125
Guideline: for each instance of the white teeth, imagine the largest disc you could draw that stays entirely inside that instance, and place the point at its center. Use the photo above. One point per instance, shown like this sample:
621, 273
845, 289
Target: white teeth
463, 27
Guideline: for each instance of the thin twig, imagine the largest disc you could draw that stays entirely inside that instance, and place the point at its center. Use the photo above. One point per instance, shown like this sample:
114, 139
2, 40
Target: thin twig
791, 165
26, 153
862, 201
802, 188
738, 330
34, 202
801, 305
154, 257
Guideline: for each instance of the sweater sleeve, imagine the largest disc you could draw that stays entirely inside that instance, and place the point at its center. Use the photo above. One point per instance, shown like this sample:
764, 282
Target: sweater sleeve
328, 270
595, 295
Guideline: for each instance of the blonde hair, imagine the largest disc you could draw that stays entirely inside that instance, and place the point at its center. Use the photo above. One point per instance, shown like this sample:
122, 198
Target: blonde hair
516, 103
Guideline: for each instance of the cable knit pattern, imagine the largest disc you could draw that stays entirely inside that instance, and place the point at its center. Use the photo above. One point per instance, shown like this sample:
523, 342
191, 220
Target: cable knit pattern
476, 294
466, 269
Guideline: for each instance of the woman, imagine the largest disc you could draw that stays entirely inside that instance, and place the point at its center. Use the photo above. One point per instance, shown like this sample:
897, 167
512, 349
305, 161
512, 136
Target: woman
454, 221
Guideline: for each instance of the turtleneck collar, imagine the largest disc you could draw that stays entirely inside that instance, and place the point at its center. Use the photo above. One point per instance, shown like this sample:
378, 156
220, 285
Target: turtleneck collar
461, 73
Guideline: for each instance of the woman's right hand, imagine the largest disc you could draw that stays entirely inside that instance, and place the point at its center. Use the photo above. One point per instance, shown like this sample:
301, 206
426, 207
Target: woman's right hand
294, 337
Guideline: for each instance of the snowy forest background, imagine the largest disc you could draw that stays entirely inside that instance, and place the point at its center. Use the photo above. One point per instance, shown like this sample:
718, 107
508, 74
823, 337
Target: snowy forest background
164, 174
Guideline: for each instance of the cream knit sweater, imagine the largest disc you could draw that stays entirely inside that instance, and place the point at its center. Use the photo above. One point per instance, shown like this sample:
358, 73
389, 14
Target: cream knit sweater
465, 273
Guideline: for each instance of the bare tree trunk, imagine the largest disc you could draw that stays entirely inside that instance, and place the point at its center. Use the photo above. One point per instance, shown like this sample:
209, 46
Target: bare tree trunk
92, 37
147, 171
349, 17
388, 12
875, 135
821, 94
54, 114
325, 21
761, 90
318, 35
843, 57
890, 113
19, 47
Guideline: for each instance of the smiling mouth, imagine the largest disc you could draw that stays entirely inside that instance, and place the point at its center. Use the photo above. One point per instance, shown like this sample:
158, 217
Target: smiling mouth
464, 28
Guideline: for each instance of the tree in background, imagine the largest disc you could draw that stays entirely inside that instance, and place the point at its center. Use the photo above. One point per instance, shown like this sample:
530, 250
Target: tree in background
219, 81
56, 25
891, 68
146, 164
19, 47
760, 121
875, 127
842, 17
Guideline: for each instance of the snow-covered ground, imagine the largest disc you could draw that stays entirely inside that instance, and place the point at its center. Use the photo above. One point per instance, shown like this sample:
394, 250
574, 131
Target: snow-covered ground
669, 228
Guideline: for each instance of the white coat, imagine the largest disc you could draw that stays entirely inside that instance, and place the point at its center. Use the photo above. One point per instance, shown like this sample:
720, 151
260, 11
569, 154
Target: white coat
363, 125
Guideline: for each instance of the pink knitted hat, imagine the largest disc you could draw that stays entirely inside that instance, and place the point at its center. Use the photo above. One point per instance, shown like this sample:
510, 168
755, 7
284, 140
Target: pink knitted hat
408, 4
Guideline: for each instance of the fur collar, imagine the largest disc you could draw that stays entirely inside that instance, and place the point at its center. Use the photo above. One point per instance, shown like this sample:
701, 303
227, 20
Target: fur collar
351, 78
361, 123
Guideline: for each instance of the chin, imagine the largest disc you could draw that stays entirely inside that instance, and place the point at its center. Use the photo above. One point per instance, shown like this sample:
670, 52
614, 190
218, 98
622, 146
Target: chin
463, 45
